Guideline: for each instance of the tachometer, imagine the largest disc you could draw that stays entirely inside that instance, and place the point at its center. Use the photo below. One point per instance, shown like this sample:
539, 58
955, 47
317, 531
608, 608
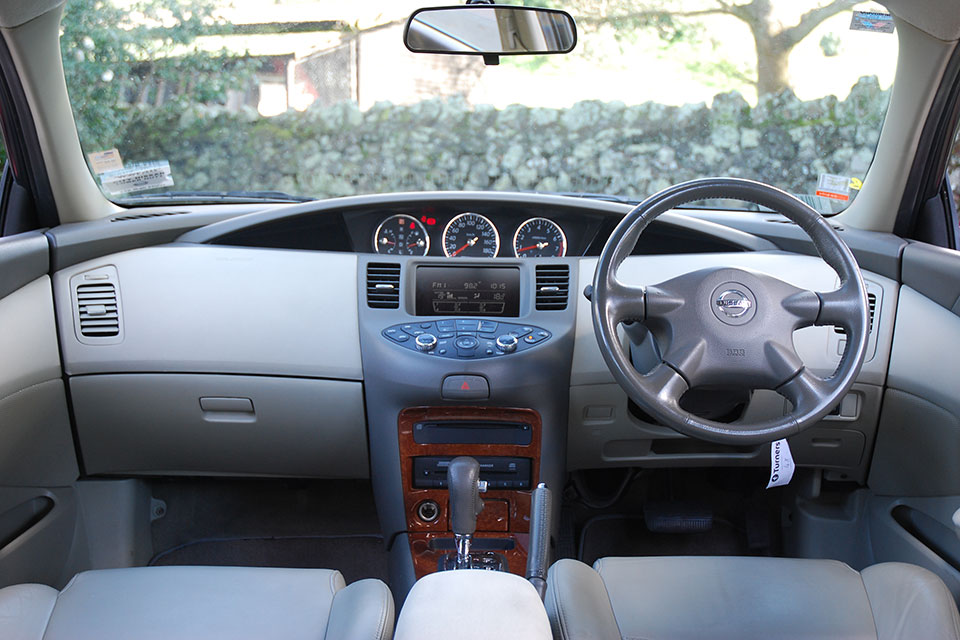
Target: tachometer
401, 235
470, 235
539, 238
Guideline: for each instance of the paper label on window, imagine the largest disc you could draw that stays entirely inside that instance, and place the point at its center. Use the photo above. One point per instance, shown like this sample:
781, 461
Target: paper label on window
876, 21
103, 161
781, 464
833, 186
137, 177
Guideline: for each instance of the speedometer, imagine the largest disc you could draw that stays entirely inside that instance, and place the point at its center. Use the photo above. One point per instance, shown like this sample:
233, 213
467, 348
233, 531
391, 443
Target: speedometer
401, 235
539, 238
470, 235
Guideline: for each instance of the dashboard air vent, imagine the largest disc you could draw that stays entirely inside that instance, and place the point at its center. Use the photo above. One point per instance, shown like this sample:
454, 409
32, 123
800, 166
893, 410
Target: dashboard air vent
141, 216
553, 284
383, 285
872, 299
97, 309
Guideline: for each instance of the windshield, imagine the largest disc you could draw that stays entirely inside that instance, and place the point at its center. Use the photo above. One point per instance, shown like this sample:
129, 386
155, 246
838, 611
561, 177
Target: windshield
200, 99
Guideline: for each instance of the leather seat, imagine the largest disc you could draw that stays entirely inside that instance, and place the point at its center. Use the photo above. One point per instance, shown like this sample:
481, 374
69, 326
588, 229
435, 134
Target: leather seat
681, 598
173, 603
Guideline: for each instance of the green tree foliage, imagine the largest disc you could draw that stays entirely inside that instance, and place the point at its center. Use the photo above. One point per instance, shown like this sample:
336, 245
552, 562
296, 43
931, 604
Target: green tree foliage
674, 21
121, 60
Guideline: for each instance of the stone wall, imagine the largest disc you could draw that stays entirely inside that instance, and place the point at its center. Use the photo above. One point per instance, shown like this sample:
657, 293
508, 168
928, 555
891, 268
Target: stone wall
447, 144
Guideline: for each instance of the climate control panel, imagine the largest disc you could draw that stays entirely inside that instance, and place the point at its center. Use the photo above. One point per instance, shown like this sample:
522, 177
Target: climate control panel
466, 337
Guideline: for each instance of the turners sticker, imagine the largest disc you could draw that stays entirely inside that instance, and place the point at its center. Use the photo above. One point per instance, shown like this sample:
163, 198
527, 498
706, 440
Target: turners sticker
137, 177
833, 186
781, 464
876, 21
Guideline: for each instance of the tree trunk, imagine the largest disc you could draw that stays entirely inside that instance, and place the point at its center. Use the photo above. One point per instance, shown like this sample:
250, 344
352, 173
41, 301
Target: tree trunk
772, 58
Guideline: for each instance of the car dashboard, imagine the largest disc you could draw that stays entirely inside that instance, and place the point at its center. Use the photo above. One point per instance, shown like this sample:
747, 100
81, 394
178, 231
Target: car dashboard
293, 341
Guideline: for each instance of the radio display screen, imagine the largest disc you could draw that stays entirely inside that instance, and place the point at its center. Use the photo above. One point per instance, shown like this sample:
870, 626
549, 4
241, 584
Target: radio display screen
468, 291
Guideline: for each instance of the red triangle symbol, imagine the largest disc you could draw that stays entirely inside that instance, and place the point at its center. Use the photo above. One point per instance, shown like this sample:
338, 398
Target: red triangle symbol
465, 386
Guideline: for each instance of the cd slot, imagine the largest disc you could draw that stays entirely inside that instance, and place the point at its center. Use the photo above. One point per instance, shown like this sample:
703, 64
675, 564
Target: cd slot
430, 472
473, 432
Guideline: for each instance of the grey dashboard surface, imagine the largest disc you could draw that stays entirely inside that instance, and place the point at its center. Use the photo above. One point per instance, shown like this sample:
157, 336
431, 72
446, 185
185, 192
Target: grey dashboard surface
207, 223
218, 310
23, 258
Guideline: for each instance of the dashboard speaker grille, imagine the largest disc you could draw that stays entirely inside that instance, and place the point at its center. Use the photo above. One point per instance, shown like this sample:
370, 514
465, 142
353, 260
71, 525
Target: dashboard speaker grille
872, 299
383, 285
97, 309
553, 285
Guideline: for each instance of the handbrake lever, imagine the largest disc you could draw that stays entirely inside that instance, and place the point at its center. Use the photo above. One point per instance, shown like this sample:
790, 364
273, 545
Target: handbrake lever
538, 556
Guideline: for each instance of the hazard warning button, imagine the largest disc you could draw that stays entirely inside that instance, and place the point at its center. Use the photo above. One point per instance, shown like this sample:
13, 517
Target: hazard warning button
465, 388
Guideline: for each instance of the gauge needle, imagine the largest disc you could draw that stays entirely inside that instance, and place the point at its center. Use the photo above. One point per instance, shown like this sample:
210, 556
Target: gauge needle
415, 244
385, 241
470, 243
539, 245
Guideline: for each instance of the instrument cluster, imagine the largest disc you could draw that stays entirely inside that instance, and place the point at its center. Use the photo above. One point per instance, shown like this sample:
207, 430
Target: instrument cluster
469, 235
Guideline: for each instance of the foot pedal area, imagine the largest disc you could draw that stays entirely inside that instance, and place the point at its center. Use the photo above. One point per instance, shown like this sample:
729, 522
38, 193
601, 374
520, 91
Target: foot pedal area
677, 517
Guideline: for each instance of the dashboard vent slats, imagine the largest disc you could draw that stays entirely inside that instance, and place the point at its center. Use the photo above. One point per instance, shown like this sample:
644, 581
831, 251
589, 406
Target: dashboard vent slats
97, 309
142, 216
553, 286
383, 285
872, 298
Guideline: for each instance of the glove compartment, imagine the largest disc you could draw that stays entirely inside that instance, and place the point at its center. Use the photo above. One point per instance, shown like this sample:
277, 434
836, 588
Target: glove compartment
196, 424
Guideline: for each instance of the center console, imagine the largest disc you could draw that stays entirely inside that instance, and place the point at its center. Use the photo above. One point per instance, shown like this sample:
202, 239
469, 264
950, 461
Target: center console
509, 460
464, 357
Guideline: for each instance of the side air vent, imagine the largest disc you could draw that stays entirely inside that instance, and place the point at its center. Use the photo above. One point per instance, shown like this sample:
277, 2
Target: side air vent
872, 299
141, 216
383, 285
96, 306
553, 285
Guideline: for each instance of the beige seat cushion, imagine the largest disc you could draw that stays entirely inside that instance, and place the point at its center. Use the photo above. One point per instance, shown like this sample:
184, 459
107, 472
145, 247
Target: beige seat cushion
212, 603
731, 597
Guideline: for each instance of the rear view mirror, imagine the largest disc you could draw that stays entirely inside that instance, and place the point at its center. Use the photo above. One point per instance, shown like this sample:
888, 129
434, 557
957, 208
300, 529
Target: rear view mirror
490, 30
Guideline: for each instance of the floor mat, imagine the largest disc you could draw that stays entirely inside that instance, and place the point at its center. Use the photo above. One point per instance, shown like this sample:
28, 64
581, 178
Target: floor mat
614, 535
357, 557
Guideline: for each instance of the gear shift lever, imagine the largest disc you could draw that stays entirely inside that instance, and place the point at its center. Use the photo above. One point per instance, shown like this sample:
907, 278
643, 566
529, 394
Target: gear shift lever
463, 481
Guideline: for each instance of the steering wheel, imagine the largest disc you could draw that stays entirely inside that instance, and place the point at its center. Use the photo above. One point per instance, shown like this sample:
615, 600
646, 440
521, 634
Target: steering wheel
727, 326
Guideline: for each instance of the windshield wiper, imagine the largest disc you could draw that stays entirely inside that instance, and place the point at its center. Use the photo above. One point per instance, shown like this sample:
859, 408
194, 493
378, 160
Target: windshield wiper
219, 196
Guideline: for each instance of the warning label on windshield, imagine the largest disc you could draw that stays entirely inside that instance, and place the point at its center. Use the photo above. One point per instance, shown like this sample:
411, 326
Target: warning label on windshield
876, 21
833, 186
103, 161
137, 177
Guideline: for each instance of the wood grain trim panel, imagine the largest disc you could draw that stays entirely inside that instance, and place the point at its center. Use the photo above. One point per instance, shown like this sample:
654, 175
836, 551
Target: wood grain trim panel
513, 504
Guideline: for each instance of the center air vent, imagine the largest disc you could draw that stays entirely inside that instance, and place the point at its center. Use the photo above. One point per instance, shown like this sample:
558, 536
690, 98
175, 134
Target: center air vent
383, 285
553, 284
872, 298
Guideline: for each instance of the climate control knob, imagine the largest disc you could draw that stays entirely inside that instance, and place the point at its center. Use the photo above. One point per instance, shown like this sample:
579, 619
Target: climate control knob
507, 343
426, 342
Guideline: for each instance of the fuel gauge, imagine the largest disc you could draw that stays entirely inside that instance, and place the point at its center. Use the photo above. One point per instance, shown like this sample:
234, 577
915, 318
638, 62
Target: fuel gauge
401, 235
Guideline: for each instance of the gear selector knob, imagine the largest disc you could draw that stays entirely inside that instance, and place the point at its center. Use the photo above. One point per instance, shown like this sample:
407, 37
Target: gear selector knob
463, 480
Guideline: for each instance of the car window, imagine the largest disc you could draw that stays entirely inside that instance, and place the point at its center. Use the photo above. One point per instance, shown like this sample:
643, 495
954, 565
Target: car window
202, 99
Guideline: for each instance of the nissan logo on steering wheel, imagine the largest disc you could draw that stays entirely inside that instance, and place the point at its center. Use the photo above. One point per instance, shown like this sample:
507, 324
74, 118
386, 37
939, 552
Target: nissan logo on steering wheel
734, 303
